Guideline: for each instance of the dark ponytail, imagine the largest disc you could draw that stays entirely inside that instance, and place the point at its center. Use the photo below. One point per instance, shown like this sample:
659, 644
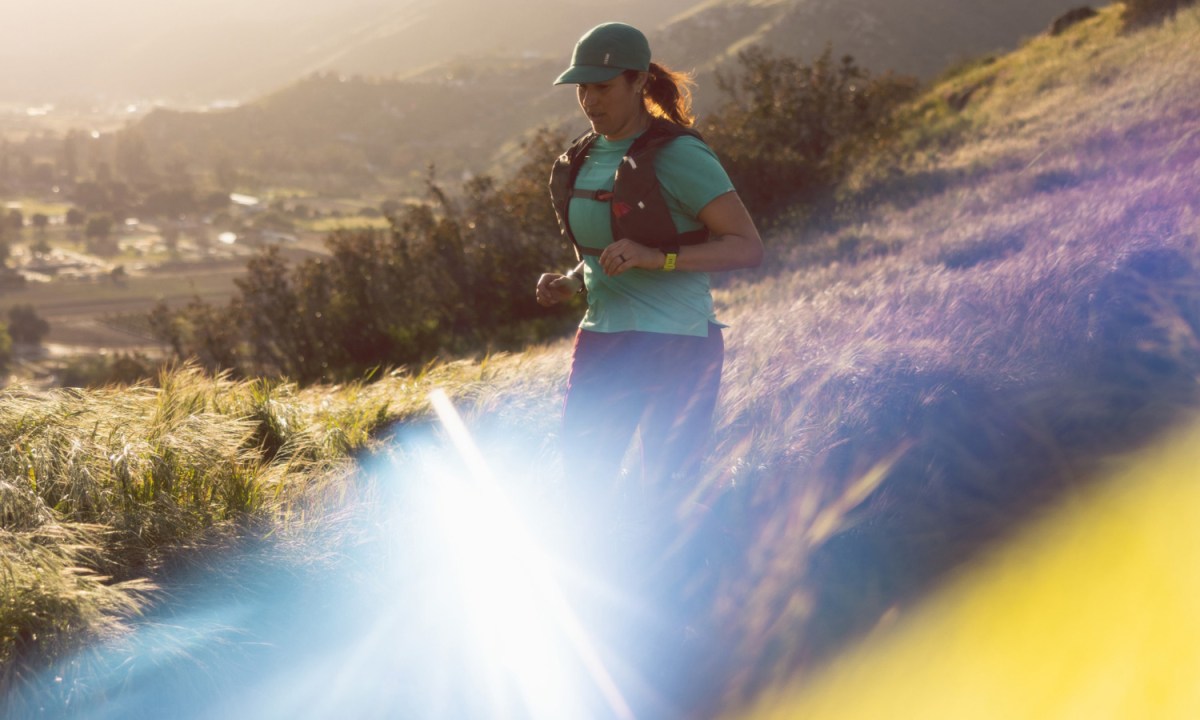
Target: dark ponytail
668, 94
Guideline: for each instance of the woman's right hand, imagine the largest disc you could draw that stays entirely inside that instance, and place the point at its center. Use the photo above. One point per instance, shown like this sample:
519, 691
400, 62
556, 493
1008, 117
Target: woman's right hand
553, 288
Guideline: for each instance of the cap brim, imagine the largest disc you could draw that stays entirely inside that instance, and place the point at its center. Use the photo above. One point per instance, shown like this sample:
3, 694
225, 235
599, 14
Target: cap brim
577, 74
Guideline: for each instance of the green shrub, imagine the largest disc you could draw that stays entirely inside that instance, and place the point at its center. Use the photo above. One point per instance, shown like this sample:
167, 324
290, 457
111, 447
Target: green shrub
451, 276
1138, 12
787, 131
25, 325
93, 371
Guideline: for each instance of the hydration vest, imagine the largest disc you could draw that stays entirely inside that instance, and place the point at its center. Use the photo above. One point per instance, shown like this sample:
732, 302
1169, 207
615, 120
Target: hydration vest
639, 210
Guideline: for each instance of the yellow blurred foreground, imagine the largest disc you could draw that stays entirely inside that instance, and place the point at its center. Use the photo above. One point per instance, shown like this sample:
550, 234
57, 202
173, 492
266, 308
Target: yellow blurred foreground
1093, 612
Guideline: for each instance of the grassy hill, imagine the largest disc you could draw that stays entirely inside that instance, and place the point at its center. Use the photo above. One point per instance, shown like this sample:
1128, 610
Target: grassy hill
913, 38
1009, 302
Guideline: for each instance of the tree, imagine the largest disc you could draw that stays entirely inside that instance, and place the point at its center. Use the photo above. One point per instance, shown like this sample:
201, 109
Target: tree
15, 220
99, 235
99, 227
103, 172
133, 159
93, 196
41, 175
25, 325
443, 280
6, 169
170, 202
40, 222
170, 237
225, 171
200, 331
70, 155
5, 348
280, 339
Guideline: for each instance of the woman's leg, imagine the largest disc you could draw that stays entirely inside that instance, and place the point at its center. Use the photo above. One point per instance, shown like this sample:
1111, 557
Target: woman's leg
600, 413
677, 424
667, 384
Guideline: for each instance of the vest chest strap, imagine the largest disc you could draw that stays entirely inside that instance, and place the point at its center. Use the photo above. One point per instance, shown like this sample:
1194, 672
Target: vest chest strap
598, 195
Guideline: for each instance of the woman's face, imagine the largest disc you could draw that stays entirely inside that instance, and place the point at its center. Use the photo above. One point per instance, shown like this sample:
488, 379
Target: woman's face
614, 107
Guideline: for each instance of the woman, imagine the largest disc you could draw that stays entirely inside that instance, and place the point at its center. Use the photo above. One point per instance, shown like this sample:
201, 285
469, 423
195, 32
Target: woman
651, 212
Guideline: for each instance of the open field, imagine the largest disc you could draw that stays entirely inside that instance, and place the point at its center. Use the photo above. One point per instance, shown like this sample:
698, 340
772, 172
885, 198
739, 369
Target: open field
82, 312
89, 309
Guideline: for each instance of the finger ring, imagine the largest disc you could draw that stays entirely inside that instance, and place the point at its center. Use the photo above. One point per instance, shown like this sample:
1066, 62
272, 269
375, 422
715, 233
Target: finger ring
623, 258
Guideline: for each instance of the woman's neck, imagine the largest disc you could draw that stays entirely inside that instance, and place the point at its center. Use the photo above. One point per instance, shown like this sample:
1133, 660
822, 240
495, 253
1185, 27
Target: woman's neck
636, 126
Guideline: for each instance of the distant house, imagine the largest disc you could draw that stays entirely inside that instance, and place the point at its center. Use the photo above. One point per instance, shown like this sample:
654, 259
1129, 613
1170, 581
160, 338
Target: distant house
274, 236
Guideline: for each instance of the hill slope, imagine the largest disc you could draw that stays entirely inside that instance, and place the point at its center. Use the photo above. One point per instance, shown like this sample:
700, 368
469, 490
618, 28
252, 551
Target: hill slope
917, 37
362, 132
196, 52
465, 114
1015, 301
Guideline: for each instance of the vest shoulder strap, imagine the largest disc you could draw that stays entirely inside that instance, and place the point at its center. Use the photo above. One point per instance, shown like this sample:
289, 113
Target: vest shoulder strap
639, 210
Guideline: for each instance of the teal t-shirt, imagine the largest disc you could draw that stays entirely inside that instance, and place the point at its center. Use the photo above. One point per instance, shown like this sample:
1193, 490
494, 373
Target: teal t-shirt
678, 302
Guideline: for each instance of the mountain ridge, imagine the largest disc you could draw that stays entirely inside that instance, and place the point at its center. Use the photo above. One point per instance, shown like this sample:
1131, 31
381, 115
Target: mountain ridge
465, 115
200, 52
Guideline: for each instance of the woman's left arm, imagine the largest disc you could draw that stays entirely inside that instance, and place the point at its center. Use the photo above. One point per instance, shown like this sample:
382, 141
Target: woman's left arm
735, 243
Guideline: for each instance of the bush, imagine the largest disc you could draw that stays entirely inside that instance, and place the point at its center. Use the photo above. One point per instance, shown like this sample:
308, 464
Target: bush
96, 371
25, 325
5, 348
452, 276
1138, 12
787, 130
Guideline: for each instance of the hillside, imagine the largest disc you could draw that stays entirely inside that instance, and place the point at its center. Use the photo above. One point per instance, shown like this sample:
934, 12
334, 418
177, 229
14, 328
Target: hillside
1007, 304
196, 52
1014, 303
362, 131
919, 38
376, 126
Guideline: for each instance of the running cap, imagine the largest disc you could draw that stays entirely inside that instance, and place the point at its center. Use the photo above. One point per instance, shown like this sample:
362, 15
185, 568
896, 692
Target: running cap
606, 51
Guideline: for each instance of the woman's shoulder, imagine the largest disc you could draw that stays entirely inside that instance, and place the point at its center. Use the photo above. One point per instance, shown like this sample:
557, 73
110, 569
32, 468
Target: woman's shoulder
687, 151
689, 171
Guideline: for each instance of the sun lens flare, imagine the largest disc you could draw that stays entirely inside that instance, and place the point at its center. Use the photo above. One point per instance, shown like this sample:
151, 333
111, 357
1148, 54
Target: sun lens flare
520, 619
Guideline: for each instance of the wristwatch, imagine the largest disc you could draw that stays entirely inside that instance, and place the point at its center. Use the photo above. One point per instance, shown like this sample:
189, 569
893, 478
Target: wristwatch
672, 254
577, 276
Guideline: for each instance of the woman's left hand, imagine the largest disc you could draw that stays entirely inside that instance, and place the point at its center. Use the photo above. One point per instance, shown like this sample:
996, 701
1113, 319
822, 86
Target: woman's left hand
626, 254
